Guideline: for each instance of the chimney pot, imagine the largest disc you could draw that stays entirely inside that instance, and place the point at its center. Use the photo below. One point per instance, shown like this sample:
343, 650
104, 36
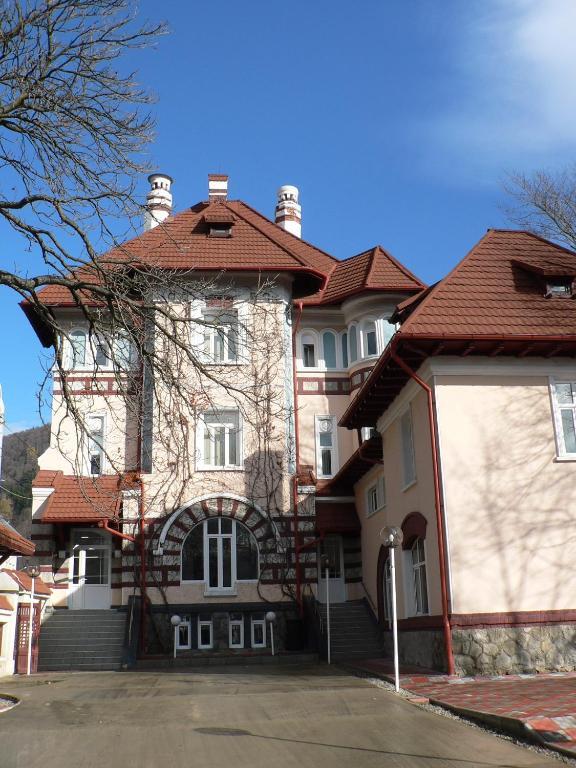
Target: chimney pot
217, 186
288, 211
158, 200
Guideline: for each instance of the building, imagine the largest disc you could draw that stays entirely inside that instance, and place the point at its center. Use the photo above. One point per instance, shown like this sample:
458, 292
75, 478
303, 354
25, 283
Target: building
220, 523
473, 401
323, 400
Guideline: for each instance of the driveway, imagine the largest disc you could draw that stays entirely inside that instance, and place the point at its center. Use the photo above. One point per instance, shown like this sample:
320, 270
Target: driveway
233, 717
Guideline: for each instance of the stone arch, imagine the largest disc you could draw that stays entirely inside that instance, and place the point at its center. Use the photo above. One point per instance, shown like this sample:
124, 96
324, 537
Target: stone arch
181, 522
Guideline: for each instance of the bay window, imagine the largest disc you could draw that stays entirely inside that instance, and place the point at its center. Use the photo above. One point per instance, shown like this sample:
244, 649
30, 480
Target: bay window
309, 355
329, 349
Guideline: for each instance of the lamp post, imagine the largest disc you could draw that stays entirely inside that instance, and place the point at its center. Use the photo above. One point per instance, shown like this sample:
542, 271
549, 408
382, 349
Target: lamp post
175, 620
33, 571
391, 537
271, 618
325, 563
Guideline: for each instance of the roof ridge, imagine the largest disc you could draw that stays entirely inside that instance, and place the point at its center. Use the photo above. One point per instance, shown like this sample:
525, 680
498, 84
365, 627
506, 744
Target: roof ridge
536, 236
400, 265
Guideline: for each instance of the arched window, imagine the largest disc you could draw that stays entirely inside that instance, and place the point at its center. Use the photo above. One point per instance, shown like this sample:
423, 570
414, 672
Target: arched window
353, 344
77, 352
388, 330
329, 347
369, 341
309, 352
414, 531
219, 552
344, 344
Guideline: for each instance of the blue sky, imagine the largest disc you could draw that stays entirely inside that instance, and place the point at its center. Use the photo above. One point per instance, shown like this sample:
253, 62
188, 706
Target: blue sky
397, 120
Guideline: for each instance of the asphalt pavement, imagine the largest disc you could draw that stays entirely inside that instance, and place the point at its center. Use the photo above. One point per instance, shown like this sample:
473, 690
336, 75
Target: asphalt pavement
234, 717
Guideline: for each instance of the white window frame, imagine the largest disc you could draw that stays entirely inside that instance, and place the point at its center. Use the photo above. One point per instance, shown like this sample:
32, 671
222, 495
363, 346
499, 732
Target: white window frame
320, 448
343, 345
205, 623
212, 332
410, 570
69, 356
220, 590
407, 449
365, 330
203, 425
316, 341
254, 623
376, 497
337, 362
234, 623
186, 624
88, 438
358, 343
561, 453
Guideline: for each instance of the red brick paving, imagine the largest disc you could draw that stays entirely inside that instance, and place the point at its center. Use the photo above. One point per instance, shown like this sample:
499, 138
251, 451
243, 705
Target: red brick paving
544, 704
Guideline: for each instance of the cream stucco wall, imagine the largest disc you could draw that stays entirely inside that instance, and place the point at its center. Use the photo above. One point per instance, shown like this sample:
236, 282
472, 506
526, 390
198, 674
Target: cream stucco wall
510, 503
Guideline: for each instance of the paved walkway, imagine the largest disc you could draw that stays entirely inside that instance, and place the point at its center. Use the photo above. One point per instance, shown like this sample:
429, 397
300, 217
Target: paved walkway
540, 706
245, 717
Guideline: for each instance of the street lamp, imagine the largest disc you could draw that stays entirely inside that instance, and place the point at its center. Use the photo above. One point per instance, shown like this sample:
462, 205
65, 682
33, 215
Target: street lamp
391, 537
271, 618
33, 571
325, 563
175, 620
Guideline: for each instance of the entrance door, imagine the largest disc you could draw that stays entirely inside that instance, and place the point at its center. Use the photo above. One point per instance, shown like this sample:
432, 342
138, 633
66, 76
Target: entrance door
90, 571
332, 547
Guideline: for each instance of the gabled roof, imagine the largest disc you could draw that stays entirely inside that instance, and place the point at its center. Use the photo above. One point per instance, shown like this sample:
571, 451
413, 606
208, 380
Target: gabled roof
371, 270
80, 499
489, 305
11, 542
182, 242
489, 294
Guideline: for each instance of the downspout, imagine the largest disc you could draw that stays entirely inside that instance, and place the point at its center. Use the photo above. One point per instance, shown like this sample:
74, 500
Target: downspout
441, 533
296, 462
105, 524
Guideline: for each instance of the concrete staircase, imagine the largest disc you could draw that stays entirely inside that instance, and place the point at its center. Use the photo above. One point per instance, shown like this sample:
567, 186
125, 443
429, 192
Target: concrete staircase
354, 634
81, 640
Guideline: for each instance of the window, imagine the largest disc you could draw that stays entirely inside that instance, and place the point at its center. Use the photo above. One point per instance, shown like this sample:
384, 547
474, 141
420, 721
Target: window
353, 344
205, 633
77, 349
329, 344
184, 633
258, 631
366, 433
122, 347
370, 345
559, 287
389, 329
419, 582
344, 344
326, 446
308, 350
376, 497
564, 405
220, 334
220, 439
219, 552
236, 631
101, 353
407, 448
95, 427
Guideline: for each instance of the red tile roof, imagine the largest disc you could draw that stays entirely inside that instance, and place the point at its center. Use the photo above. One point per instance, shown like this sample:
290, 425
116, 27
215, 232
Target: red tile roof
371, 270
11, 542
492, 303
25, 582
80, 499
489, 294
183, 242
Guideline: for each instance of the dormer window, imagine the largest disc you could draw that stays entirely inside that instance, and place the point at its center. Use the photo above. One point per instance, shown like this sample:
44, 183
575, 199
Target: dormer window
559, 287
219, 223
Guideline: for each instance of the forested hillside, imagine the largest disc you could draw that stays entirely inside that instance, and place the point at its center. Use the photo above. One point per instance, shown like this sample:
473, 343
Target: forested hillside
19, 465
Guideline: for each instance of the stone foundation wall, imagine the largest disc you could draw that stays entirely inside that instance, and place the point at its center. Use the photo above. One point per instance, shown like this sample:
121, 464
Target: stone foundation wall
423, 648
513, 650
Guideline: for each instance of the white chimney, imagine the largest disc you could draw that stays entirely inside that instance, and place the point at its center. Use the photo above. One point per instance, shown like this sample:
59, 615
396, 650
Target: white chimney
158, 200
288, 211
217, 186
